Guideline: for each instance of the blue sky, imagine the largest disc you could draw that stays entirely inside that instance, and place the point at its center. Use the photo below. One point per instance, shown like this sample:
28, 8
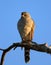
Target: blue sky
40, 11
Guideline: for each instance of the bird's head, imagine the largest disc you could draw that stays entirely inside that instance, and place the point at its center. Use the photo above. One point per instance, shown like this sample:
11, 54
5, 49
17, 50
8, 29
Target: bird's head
25, 15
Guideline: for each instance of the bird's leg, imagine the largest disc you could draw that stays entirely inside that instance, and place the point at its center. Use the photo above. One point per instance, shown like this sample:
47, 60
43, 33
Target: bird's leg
22, 44
26, 42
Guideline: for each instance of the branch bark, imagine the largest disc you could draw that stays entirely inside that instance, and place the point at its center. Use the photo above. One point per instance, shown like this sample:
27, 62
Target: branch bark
32, 46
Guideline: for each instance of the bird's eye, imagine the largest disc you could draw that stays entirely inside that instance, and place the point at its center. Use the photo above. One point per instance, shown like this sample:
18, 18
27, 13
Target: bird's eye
25, 15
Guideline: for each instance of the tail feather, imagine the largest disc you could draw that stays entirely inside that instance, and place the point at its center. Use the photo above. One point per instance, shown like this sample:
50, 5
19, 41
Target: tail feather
27, 54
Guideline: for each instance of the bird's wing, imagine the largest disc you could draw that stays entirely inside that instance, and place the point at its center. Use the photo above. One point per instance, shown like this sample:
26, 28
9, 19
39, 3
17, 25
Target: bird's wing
30, 35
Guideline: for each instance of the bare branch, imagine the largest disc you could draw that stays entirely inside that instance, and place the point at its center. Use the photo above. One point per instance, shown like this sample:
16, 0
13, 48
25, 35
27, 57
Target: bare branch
1, 49
32, 46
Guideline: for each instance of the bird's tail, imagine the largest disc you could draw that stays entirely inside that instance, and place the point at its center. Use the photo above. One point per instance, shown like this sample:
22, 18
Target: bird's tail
27, 54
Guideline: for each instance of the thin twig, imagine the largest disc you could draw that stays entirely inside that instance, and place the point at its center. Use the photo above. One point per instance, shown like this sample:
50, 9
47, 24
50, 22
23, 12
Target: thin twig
1, 49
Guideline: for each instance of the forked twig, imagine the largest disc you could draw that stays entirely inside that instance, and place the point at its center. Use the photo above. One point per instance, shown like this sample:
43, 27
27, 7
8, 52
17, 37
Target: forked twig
32, 46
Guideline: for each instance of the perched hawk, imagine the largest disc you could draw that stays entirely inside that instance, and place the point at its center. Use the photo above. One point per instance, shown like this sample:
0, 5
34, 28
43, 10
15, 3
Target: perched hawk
26, 29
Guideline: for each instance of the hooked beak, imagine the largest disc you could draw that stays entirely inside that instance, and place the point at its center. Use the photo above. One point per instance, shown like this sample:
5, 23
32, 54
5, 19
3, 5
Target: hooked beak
22, 15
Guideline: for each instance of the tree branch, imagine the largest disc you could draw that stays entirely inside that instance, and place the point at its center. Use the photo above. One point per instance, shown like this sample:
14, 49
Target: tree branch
33, 46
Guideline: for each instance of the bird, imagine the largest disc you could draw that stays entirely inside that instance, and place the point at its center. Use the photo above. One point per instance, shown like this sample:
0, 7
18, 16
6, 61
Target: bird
26, 26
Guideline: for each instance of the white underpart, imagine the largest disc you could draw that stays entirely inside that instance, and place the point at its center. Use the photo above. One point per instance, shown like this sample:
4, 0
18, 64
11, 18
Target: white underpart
25, 27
